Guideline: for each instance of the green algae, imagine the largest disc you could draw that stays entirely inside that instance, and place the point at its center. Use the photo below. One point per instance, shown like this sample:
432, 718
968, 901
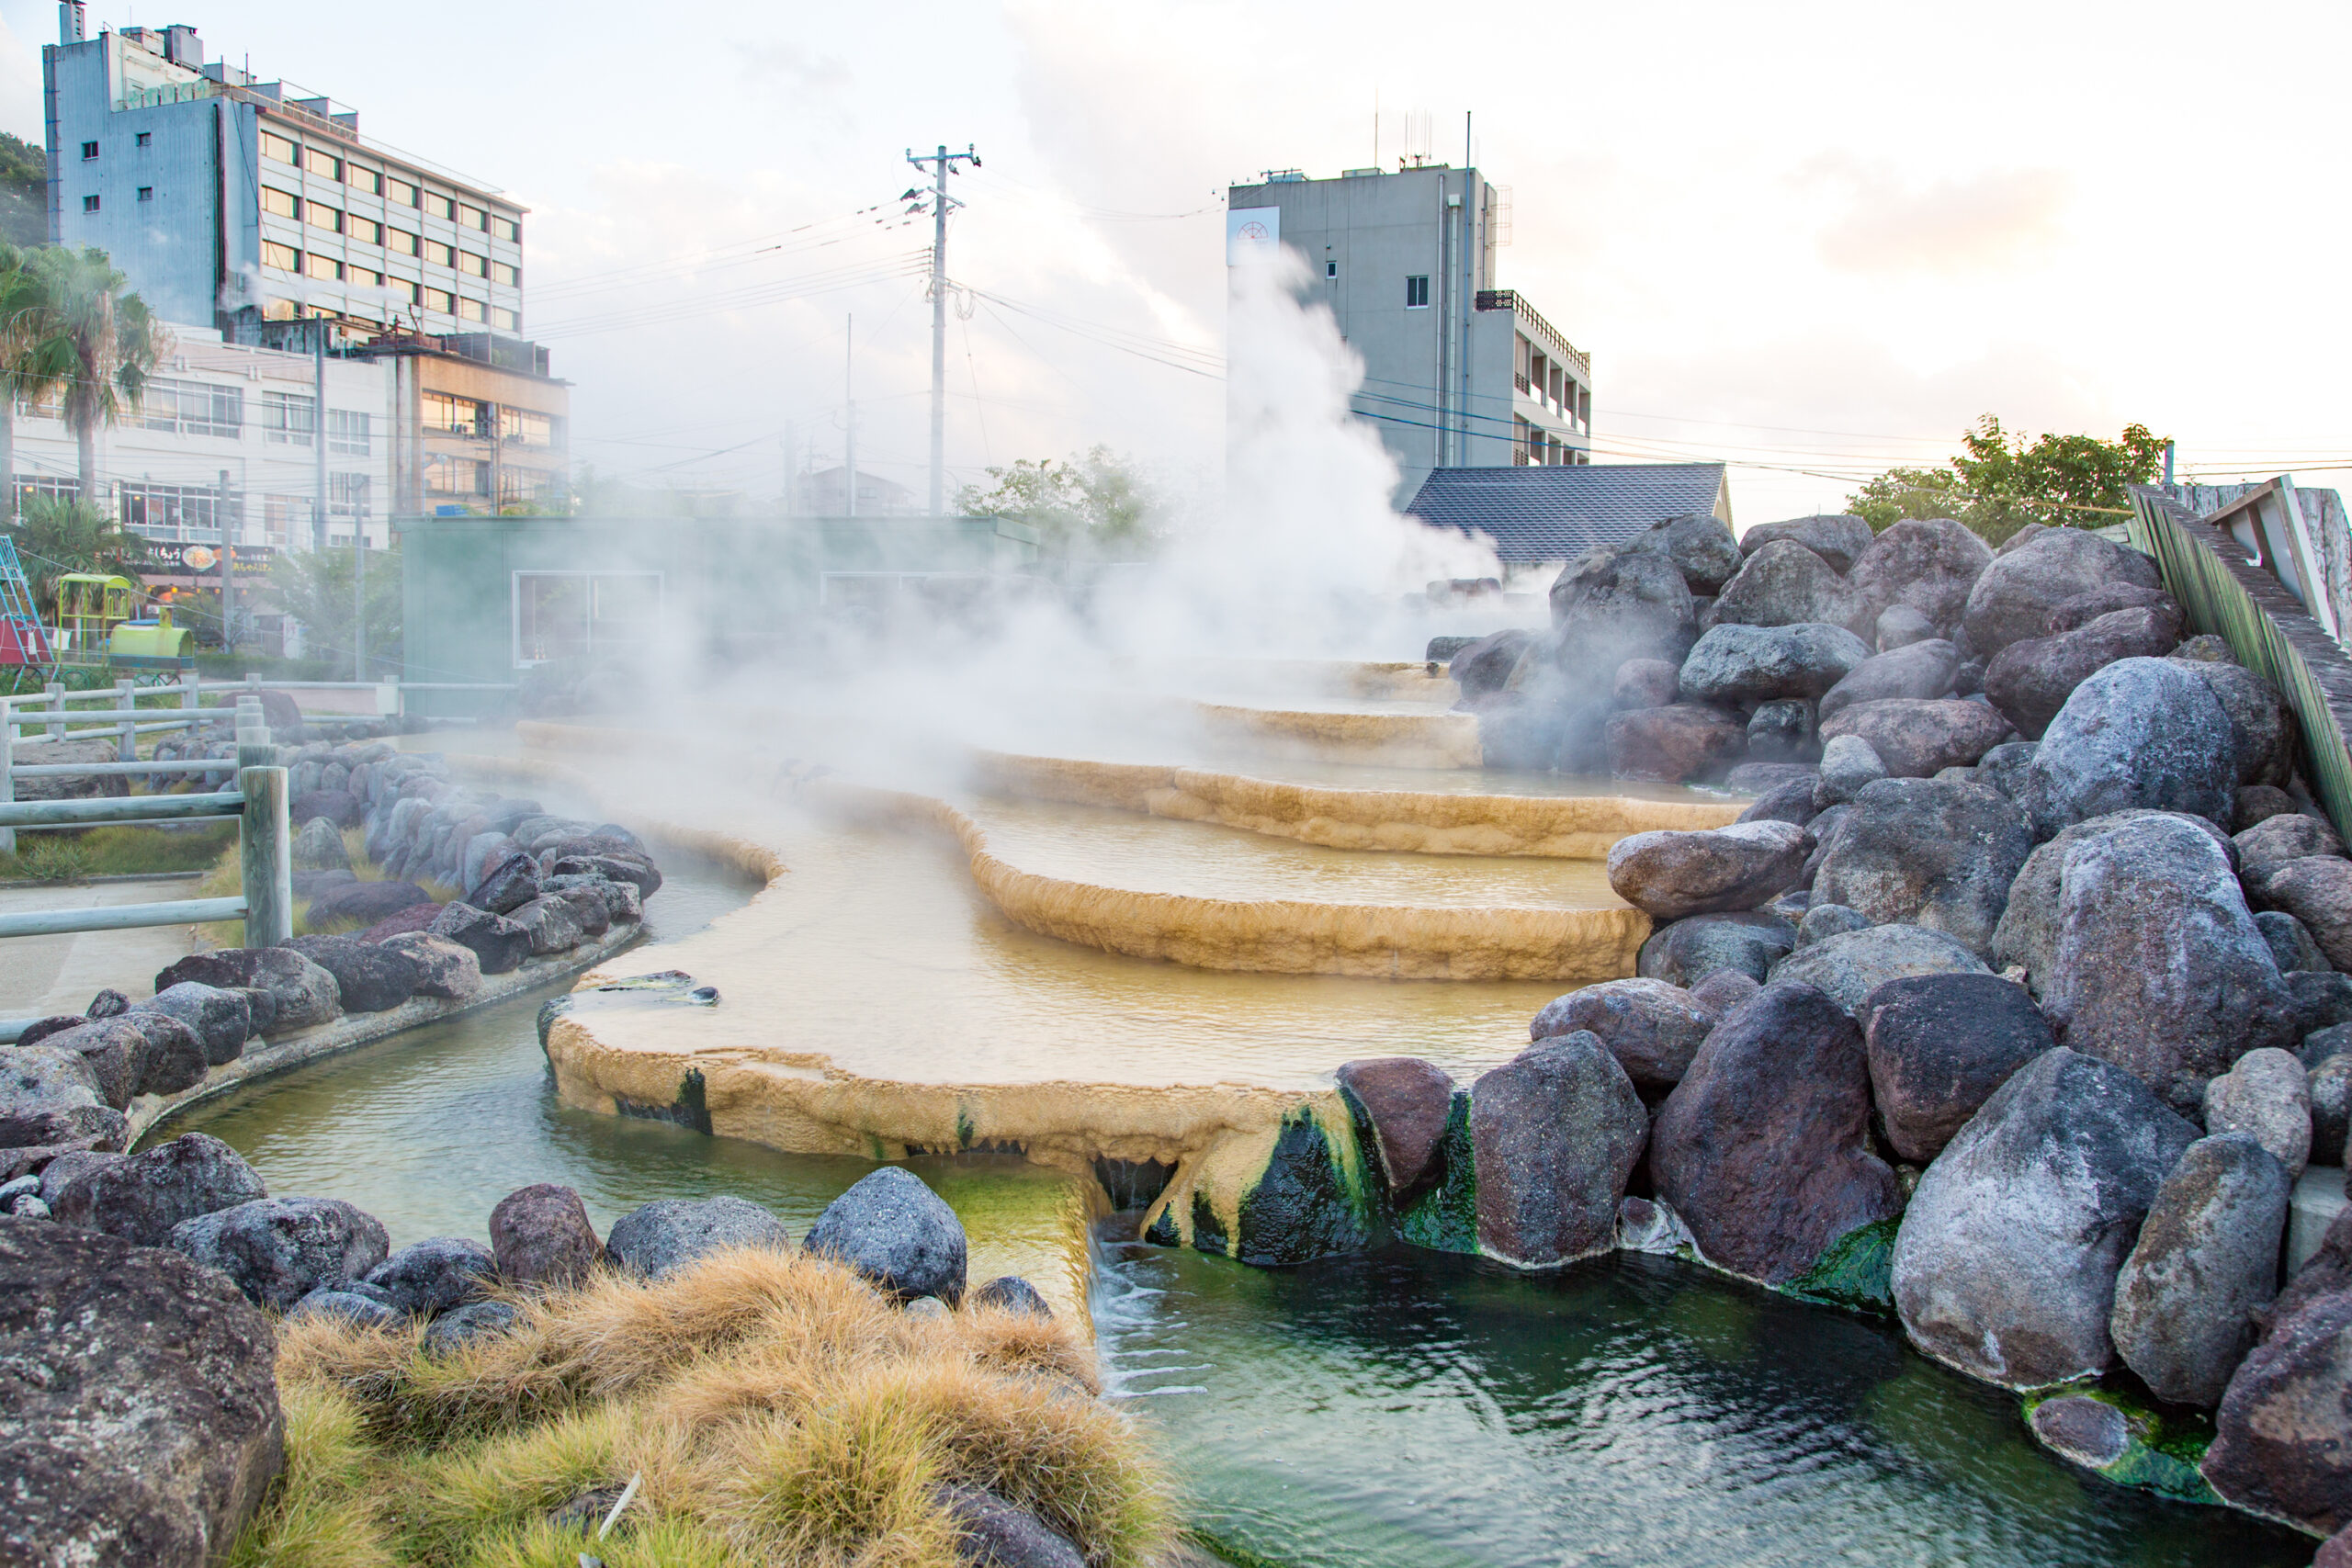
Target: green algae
1856, 1271
2161, 1450
1445, 1218
1311, 1198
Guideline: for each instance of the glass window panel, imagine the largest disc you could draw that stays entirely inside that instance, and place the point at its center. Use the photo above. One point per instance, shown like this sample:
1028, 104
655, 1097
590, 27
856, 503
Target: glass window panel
285, 258
505, 228
287, 419
285, 204
317, 266
279, 148
399, 191
473, 310
440, 299
440, 205
365, 230
400, 239
472, 264
319, 161
368, 180
505, 320
440, 255
348, 431
319, 215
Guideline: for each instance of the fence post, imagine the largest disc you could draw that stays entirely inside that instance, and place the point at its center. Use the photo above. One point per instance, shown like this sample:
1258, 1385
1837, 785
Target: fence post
126, 746
264, 857
191, 690
255, 749
7, 770
56, 690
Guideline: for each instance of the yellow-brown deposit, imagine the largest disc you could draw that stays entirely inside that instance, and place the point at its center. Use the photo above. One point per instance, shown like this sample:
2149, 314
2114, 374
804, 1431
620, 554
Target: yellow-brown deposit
1399, 739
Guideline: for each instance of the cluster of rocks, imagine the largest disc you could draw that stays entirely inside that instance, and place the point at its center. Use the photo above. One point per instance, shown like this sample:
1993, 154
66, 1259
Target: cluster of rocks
154, 1428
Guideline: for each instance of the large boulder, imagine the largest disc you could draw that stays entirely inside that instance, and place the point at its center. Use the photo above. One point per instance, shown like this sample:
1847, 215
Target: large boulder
139, 1421
319, 847
304, 994
1938, 1046
369, 977
2013, 597
671, 1234
2027, 934
52, 1097
2158, 967
1789, 801
2191, 1297
1736, 664
439, 1274
548, 925
540, 1236
1652, 1029
2141, 733
1929, 853
1849, 967
513, 880
2272, 843
2005, 1260
2282, 1437
1838, 540
1781, 584
444, 969
497, 943
1918, 736
142, 1197
633, 867
175, 1058
1686, 952
1932, 565
1701, 546
113, 1049
897, 1233
2317, 891
1763, 1148
363, 904
1918, 671
1781, 730
1405, 1103
1677, 744
1557, 1131
221, 1020
281, 1249
2261, 730
2266, 1096
2030, 679
1645, 683
2083, 608
1609, 606
1668, 873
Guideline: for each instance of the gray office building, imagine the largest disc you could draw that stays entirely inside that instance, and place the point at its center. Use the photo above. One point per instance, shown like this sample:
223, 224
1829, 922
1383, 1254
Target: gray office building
1457, 372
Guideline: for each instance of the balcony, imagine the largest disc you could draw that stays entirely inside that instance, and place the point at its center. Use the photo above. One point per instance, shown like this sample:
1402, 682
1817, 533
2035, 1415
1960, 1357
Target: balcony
1542, 331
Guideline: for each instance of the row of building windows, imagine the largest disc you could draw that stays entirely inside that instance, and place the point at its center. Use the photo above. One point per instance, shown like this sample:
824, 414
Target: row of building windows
191, 514
334, 269
399, 192
286, 419
367, 230
446, 414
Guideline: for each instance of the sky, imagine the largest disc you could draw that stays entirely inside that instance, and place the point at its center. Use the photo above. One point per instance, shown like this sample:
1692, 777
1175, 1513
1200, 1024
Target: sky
1813, 240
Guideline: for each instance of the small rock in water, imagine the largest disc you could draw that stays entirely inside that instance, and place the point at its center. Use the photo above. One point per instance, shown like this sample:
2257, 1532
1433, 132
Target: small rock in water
1405, 1102
1009, 1292
1558, 1132
2089, 1432
1643, 1224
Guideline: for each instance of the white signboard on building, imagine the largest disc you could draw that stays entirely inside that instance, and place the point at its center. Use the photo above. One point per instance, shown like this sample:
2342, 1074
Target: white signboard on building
1252, 234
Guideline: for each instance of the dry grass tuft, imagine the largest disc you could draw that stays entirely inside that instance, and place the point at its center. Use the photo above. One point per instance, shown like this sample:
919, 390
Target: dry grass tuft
778, 1409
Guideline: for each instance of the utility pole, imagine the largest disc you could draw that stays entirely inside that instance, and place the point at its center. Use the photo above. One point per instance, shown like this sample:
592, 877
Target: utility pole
941, 203
228, 570
849, 416
319, 427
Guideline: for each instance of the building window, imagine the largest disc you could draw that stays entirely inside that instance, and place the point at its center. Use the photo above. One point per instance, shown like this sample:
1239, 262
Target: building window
400, 239
89, 204
473, 310
399, 192
440, 205
476, 266
506, 321
89, 150
506, 273
368, 180
347, 433
346, 493
279, 148
146, 138
146, 193
367, 230
1416, 293
285, 258
363, 277
576, 614
440, 299
184, 514
285, 204
448, 415
193, 408
505, 228
319, 161
1330, 269
526, 427
455, 475
317, 266
472, 218
321, 215
287, 418
440, 255
401, 289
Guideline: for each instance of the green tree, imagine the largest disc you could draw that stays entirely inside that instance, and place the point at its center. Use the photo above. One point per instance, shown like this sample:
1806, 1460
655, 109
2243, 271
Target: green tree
58, 536
314, 587
1094, 507
30, 369
1999, 482
113, 342
23, 191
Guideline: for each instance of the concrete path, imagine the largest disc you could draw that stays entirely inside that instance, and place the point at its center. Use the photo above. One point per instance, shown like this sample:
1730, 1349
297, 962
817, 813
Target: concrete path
45, 974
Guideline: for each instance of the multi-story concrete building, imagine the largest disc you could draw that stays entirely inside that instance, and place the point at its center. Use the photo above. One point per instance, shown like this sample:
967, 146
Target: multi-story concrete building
479, 424
1457, 372
221, 196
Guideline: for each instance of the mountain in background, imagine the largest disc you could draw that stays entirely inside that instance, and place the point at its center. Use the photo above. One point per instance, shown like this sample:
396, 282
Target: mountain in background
24, 193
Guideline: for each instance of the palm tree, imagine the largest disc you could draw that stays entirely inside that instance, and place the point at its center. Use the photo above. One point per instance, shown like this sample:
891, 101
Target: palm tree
58, 536
23, 294
109, 343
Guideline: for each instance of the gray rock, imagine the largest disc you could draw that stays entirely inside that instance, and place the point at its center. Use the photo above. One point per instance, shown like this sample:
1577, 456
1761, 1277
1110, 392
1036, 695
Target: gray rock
2142, 733
1687, 952
2330, 1086
1781, 584
1724, 990
454, 1330
1609, 606
1790, 801
2260, 728
2030, 680
1938, 1046
2004, 766
896, 1232
1850, 967
140, 1422
2083, 608
439, 1274
304, 994
1921, 669
2291, 946
2259, 803
2089, 1432
1848, 762
1652, 1029
444, 969
2005, 1260
369, 977
222, 1020
2282, 1437
109, 1003
1478, 669
1738, 663
1645, 683
1838, 540
279, 1250
1780, 729
1557, 1131
1916, 738
1925, 852
993, 1533
2159, 967
2013, 598
548, 924
1643, 1224
1009, 1293
1701, 546
1901, 626
540, 1236
2316, 890
1822, 921
2270, 843
929, 1309
588, 910
671, 1234
142, 1197
2027, 934
1677, 744
52, 1097
1930, 565
1670, 874
497, 943
507, 883
1405, 1104
2266, 1096
2189, 1298
114, 1049
1763, 1147
320, 847
349, 1305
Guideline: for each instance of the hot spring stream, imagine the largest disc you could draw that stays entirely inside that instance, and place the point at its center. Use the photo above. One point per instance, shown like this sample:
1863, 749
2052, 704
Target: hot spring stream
1405, 1410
